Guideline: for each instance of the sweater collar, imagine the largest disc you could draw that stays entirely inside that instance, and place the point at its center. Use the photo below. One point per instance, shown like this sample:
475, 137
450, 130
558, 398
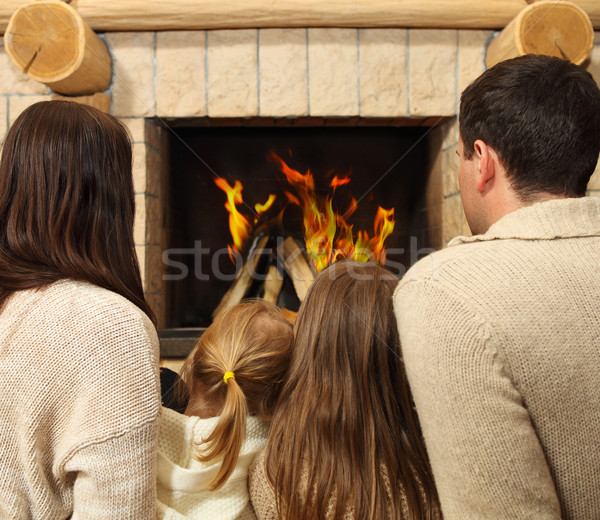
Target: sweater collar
556, 218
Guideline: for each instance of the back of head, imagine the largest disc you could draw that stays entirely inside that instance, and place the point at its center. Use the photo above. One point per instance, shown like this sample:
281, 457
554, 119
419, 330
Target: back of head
66, 201
251, 343
542, 116
354, 434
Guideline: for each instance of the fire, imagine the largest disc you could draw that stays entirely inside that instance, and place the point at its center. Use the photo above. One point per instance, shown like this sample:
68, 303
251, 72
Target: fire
327, 233
263, 208
238, 224
335, 182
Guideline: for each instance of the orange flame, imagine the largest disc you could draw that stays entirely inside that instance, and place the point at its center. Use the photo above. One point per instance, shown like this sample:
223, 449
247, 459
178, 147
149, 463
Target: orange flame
263, 208
328, 235
238, 224
335, 182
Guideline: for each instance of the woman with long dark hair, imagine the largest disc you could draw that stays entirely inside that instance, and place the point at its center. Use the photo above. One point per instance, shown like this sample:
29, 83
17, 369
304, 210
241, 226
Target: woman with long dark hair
78, 346
345, 441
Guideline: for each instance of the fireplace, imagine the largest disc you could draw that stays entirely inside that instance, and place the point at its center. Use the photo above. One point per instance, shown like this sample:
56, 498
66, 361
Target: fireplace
372, 178
404, 81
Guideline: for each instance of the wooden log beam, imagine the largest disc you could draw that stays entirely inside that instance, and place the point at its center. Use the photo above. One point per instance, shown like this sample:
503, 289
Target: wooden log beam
556, 28
51, 42
157, 15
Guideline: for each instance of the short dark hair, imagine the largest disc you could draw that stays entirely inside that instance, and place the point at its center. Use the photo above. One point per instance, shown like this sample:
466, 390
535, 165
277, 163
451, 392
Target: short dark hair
67, 202
542, 116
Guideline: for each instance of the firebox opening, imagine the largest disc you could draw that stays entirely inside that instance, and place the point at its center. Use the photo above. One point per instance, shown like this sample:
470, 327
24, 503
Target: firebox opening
387, 167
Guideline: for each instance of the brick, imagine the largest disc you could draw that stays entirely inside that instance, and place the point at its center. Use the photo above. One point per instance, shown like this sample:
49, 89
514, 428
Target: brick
153, 270
232, 73
450, 134
136, 128
133, 73
283, 68
181, 74
333, 72
139, 224
153, 221
383, 72
471, 56
140, 252
16, 105
139, 168
449, 167
432, 70
153, 172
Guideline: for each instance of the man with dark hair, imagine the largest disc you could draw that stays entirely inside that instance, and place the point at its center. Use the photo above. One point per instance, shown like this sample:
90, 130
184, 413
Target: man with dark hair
500, 331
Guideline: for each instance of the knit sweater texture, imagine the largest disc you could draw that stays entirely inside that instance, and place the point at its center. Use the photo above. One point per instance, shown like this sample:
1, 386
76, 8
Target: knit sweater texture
501, 340
182, 480
80, 405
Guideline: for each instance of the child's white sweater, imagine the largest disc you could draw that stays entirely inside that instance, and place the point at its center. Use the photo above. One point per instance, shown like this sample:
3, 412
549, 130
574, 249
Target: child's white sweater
181, 478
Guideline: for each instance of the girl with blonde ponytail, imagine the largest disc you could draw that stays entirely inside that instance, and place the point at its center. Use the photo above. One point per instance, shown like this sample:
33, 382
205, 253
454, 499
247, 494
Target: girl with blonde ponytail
233, 377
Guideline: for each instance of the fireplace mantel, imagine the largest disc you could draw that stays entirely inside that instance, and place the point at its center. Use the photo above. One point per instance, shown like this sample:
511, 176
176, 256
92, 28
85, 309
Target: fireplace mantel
157, 15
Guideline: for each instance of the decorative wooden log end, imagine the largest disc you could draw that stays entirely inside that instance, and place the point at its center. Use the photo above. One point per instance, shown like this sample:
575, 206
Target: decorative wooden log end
51, 43
552, 28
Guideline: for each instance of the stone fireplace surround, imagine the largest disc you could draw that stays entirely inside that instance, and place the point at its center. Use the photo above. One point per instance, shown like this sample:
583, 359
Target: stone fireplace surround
282, 77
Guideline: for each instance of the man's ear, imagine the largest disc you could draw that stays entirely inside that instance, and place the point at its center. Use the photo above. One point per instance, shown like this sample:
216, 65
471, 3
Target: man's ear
487, 164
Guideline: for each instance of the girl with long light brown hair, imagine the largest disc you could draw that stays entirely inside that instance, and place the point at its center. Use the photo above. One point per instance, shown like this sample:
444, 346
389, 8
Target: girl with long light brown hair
78, 347
345, 442
233, 378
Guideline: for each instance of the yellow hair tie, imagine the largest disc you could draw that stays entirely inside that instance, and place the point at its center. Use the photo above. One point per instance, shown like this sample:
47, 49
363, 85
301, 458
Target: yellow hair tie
228, 376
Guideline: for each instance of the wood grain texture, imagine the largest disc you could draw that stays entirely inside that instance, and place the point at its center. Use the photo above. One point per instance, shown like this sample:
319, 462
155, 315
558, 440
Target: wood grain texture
156, 15
552, 28
49, 41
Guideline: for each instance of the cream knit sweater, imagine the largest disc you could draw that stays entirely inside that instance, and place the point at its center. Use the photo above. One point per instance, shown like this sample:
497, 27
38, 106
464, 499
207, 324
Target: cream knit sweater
79, 406
501, 339
181, 478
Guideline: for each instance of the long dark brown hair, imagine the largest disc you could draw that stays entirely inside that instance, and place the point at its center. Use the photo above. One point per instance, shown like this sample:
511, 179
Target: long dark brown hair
345, 436
67, 202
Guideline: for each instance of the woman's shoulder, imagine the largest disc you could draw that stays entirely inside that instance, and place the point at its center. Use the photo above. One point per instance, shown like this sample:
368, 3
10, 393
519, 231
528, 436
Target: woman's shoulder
84, 297
90, 319
82, 304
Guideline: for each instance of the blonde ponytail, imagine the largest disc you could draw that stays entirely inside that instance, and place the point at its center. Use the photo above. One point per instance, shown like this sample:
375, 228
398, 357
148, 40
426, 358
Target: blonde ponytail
228, 436
240, 362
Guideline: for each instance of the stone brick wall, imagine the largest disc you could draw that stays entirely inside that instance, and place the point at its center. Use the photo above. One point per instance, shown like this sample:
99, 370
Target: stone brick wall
321, 74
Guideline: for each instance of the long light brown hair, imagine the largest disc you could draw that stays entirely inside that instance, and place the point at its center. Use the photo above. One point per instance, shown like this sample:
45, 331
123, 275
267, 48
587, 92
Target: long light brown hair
354, 442
253, 341
67, 202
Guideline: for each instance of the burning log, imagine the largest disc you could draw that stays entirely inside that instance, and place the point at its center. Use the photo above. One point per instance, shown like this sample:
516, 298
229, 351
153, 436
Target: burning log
273, 284
296, 266
244, 279
291, 261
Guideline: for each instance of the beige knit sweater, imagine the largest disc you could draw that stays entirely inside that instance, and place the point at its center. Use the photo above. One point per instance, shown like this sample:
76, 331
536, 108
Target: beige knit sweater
501, 340
79, 406
183, 480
